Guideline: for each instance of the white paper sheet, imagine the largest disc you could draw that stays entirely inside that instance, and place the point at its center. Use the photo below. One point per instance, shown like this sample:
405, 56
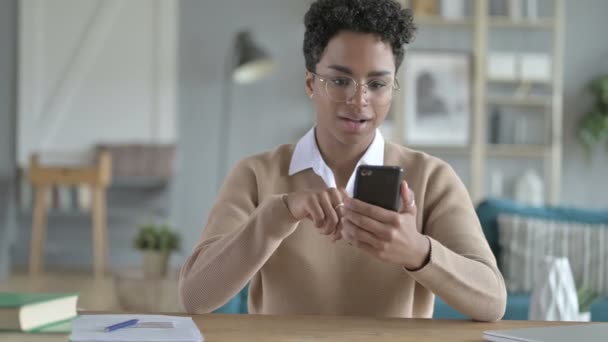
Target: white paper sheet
90, 328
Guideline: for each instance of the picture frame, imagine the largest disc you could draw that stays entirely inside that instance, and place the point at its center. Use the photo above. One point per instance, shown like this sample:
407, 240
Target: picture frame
437, 98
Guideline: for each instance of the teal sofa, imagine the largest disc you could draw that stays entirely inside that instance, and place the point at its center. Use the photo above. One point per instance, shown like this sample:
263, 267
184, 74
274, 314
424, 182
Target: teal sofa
488, 211
518, 303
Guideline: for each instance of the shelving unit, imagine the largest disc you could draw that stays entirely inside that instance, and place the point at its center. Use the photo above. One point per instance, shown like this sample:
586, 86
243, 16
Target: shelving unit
441, 22
507, 22
523, 97
520, 101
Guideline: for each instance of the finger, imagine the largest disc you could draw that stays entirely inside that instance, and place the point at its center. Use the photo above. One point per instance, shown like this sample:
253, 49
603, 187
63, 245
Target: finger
360, 237
316, 212
369, 249
331, 217
404, 195
347, 230
378, 229
337, 235
343, 194
335, 198
408, 201
370, 210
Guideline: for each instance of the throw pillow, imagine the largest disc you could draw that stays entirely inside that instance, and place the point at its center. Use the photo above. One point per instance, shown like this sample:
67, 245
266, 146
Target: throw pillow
525, 241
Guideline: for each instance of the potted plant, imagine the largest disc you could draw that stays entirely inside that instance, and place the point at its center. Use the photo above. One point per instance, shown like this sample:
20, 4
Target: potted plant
593, 127
156, 242
586, 297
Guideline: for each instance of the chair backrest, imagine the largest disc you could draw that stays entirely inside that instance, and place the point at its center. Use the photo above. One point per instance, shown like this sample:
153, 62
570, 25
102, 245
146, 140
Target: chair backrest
489, 209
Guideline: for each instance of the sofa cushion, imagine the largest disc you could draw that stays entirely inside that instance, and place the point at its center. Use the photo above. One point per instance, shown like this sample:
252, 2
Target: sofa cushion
525, 242
489, 209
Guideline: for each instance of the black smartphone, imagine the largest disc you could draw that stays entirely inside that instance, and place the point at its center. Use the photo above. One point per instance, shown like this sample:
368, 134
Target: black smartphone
379, 185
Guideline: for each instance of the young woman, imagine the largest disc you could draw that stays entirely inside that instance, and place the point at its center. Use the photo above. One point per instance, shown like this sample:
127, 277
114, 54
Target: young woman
285, 220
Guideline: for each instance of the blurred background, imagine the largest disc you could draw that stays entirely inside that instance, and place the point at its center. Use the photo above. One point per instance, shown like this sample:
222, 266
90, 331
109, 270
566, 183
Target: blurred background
119, 120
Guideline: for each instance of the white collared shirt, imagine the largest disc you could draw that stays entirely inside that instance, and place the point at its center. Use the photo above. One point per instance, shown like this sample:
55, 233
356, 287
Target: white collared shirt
307, 155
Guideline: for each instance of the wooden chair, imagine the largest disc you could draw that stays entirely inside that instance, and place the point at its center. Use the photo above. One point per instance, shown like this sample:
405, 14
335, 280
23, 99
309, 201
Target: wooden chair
43, 178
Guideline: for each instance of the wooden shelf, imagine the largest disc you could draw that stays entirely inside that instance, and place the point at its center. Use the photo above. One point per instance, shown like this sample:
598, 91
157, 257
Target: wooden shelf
140, 182
520, 82
440, 21
508, 22
516, 150
528, 101
443, 149
113, 214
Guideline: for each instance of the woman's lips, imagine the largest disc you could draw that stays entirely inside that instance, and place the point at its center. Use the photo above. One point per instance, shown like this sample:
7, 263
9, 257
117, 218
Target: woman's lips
353, 125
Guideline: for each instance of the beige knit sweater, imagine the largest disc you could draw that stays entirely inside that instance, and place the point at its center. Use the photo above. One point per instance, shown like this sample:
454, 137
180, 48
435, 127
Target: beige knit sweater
293, 269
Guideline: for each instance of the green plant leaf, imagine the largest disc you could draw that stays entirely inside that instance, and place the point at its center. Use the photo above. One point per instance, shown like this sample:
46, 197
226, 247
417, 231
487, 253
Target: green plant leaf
157, 238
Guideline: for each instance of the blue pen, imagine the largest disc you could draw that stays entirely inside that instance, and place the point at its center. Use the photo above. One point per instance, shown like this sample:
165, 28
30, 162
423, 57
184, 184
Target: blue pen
121, 325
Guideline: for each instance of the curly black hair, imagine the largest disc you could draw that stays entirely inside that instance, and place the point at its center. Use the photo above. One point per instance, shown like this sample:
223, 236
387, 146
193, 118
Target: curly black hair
385, 18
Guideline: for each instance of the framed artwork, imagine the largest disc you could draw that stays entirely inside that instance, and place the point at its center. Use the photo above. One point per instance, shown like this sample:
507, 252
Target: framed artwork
437, 98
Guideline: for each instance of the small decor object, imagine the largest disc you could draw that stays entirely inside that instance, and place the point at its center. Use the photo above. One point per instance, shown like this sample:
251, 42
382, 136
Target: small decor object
521, 130
529, 189
437, 98
156, 242
495, 125
535, 67
425, 8
496, 183
498, 8
515, 9
593, 126
452, 9
555, 297
502, 66
532, 9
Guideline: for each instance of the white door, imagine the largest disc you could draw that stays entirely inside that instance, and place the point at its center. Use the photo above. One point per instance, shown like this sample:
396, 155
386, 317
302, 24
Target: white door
95, 71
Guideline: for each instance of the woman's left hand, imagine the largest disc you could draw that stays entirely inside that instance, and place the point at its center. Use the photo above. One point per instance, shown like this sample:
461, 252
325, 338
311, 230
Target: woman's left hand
389, 236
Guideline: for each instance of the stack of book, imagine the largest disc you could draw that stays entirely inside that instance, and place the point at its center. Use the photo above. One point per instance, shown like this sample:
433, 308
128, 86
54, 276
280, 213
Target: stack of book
36, 312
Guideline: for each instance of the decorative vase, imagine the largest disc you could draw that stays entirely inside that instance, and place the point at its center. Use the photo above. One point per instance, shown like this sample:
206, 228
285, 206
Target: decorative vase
554, 297
452, 9
155, 264
530, 189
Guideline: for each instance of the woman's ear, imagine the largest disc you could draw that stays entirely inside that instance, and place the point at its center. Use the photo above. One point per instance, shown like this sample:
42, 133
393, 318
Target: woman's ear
309, 84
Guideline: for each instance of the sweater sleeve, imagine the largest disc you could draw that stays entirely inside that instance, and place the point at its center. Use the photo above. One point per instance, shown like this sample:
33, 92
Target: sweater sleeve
240, 235
462, 269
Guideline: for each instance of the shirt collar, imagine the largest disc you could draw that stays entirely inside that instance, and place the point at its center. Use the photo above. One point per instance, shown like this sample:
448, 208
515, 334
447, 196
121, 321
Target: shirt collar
307, 155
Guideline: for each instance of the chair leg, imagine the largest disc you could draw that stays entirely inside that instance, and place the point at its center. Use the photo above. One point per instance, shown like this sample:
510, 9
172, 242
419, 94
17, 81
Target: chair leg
99, 231
38, 231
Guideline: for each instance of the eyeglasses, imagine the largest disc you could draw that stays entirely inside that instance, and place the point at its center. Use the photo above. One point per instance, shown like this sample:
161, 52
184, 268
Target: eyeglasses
343, 88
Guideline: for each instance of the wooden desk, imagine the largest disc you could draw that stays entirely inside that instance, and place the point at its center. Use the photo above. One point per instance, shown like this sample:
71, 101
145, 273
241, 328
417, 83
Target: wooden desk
261, 328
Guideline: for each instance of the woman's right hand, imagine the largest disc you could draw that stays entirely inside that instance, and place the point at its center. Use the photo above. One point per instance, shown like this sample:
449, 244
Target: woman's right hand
323, 208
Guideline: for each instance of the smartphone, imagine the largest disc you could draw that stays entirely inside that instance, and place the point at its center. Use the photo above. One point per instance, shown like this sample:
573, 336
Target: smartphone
379, 185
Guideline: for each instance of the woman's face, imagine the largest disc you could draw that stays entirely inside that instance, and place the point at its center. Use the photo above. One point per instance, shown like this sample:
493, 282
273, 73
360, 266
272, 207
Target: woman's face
366, 60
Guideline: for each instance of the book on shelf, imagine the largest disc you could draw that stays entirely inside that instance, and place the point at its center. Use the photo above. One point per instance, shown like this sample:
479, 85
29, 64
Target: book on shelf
31, 312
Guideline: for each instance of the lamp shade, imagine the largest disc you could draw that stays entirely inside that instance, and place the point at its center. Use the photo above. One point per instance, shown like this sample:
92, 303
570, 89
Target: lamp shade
251, 62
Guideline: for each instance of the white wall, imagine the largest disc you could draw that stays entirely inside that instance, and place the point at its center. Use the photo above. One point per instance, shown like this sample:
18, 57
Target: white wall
584, 182
8, 44
8, 13
95, 72
264, 114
